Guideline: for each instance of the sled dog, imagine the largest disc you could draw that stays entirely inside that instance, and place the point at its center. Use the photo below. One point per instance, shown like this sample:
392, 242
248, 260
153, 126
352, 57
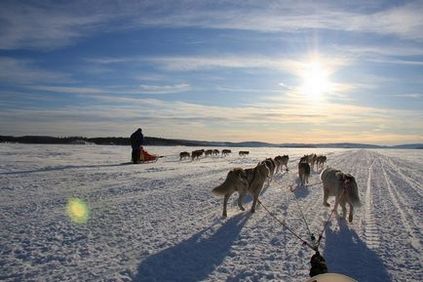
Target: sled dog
196, 154
226, 152
320, 161
183, 155
243, 181
281, 161
343, 187
303, 172
271, 165
243, 153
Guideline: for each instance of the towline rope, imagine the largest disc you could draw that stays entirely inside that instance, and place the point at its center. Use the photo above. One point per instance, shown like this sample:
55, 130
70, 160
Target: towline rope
312, 238
316, 244
327, 221
287, 227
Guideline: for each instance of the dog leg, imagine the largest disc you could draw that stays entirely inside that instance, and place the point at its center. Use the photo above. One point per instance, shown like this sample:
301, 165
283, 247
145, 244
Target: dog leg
335, 207
240, 198
325, 198
253, 207
344, 210
350, 216
225, 203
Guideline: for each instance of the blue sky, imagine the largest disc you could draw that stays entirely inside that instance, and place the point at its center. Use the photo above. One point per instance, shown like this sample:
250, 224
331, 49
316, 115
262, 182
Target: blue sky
274, 71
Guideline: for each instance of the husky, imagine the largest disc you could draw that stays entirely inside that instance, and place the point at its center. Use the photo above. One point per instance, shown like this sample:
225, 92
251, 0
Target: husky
281, 161
303, 172
183, 155
243, 153
271, 165
312, 158
320, 161
208, 152
243, 181
196, 154
343, 187
226, 152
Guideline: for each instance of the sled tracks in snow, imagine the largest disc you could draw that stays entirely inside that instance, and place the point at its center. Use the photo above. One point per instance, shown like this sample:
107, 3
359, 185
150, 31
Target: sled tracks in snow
371, 231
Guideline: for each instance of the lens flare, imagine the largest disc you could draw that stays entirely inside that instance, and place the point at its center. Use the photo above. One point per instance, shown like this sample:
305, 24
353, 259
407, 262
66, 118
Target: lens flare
77, 210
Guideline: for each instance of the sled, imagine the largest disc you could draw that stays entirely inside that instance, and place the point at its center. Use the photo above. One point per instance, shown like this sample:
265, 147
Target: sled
331, 277
146, 157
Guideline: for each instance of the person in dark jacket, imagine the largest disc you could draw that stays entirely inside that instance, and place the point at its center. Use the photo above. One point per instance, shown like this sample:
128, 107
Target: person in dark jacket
137, 140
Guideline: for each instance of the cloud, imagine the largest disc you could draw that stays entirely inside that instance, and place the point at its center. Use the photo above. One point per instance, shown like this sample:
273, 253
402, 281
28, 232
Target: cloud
164, 89
276, 122
113, 91
410, 95
403, 21
25, 71
70, 90
243, 61
52, 24
46, 25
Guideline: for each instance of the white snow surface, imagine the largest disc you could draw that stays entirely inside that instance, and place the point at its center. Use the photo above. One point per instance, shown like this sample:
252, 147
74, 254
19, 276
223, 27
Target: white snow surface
160, 221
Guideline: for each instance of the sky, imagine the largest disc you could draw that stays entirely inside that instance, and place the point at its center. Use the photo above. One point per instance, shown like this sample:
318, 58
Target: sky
251, 70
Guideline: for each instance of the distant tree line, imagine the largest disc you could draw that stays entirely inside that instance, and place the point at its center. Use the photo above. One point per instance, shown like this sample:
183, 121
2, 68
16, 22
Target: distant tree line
96, 140
156, 141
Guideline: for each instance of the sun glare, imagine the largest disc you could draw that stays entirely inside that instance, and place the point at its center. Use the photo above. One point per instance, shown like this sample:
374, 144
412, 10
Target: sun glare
77, 210
315, 79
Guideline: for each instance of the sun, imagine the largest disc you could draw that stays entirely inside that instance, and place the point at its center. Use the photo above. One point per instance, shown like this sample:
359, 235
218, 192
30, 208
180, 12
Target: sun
315, 79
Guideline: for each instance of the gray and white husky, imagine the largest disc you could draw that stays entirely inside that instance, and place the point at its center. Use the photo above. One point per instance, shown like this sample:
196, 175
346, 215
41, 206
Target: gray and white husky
343, 187
243, 181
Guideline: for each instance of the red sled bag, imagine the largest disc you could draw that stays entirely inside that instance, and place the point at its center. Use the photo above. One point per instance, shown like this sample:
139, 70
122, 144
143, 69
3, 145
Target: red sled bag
146, 156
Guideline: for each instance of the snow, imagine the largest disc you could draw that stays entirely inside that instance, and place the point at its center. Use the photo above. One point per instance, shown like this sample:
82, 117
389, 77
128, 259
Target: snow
160, 221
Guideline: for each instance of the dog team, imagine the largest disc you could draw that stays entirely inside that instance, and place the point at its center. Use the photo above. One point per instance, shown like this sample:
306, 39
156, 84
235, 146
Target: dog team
196, 154
251, 181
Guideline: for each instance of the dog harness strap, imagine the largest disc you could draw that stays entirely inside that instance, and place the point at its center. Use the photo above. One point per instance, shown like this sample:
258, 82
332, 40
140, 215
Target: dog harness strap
327, 222
314, 248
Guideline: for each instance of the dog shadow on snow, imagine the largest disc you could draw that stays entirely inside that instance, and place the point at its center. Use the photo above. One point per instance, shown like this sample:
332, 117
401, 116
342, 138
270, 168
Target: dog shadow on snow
195, 258
346, 253
299, 190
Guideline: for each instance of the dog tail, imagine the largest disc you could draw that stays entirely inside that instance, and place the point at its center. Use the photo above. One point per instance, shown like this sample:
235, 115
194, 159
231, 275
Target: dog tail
233, 179
353, 193
220, 190
355, 199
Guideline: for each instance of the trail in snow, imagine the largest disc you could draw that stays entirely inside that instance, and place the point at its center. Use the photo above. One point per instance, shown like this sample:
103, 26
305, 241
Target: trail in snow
160, 222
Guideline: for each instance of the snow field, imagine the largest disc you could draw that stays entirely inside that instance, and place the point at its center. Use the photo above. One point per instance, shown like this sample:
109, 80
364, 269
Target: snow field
160, 222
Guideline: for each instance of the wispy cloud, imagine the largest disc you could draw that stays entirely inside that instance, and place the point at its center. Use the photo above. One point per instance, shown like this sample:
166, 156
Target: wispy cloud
410, 95
70, 90
54, 24
115, 90
403, 21
46, 25
25, 71
241, 61
164, 89
190, 63
114, 116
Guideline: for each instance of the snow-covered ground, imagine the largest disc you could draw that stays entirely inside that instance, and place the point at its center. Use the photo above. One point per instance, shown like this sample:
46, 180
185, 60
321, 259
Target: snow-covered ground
160, 222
